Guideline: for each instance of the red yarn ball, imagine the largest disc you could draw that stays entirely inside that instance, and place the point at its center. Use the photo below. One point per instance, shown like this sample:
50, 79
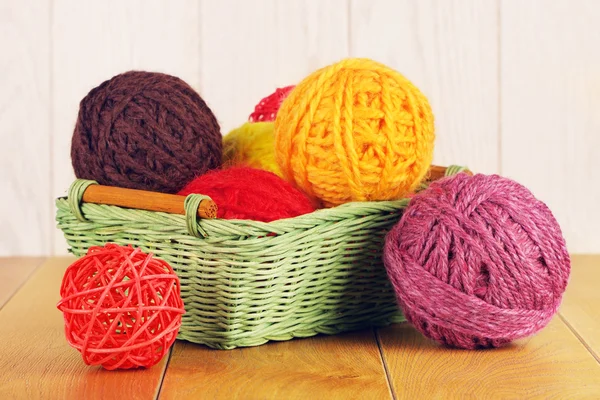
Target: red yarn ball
249, 193
266, 109
477, 262
122, 308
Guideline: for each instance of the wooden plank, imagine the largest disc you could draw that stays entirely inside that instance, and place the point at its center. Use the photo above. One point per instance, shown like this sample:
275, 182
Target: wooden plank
581, 303
449, 50
344, 366
249, 48
93, 41
14, 271
37, 362
550, 103
25, 214
551, 364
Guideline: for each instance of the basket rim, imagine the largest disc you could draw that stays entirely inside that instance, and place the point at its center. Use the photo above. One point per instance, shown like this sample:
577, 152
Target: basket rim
350, 210
342, 211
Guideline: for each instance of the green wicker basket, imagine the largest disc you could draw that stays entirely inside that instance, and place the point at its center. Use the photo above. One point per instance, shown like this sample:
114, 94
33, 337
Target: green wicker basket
245, 283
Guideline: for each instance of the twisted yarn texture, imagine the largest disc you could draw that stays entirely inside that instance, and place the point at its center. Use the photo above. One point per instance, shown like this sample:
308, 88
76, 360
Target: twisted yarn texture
477, 262
249, 193
122, 308
252, 145
355, 130
145, 130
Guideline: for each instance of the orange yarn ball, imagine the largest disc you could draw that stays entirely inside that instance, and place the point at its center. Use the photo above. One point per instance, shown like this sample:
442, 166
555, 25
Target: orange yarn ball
122, 308
355, 130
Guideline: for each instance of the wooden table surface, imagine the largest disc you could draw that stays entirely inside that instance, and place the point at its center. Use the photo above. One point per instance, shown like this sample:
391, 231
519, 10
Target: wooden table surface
561, 361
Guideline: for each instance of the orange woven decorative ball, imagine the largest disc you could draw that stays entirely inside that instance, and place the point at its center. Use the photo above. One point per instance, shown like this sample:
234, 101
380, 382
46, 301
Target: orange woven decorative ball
122, 308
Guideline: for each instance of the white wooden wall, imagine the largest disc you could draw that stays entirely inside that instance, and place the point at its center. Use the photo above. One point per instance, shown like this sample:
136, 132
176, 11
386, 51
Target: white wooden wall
515, 85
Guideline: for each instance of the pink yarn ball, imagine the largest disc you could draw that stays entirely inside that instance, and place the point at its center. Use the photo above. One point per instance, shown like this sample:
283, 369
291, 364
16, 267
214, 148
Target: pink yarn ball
477, 262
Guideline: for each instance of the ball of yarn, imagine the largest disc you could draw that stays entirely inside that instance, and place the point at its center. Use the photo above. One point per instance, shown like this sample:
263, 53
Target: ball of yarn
145, 130
122, 308
252, 145
477, 262
355, 130
249, 193
266, 109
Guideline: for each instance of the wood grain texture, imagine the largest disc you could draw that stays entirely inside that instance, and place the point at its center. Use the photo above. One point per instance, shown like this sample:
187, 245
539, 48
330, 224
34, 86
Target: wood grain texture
14, 271
36, 362
581, 303
145, 200
249, 48
449, 50
346, 366
93, 41
25, 211
550, 103
550, 365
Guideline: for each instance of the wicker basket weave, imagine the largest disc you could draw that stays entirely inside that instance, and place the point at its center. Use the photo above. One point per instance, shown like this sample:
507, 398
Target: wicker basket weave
245, 283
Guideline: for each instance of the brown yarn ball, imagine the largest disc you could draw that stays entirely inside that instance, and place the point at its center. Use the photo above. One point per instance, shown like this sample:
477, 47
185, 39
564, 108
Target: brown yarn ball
145, 130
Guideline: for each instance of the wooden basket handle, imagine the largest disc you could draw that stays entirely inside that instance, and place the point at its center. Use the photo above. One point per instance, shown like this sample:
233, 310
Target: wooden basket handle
436, 172
144, 200
175, 204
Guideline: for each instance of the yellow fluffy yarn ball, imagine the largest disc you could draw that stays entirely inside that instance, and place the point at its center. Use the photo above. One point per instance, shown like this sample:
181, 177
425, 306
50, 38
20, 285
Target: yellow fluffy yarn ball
355, 130
252, 145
